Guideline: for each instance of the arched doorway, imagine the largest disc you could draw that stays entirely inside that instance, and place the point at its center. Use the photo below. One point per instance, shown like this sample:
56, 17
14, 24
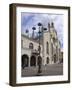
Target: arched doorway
55, 58
47, 61
33, 61
39, 60
25, 60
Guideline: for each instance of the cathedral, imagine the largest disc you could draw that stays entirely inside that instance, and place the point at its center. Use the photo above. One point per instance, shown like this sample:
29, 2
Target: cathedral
46, 47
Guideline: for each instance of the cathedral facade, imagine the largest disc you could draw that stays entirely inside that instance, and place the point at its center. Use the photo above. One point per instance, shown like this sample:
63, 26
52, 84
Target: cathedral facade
47, 48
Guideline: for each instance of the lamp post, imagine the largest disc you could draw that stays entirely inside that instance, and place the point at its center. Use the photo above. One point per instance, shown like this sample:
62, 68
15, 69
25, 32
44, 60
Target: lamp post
39, 58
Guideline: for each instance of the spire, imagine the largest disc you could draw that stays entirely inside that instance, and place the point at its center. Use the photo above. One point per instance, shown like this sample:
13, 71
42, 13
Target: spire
49, 26
33, 28
52, 25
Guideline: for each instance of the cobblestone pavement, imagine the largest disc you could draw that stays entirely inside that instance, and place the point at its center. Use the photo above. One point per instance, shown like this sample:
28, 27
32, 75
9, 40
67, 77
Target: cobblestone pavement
48, 70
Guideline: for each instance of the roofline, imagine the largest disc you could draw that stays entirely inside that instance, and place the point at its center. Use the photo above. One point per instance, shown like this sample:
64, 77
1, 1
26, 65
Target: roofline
29, 38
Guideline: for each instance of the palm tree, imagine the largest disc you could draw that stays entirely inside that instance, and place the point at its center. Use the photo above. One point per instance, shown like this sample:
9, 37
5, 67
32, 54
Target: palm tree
33, 28
39, 67
27, 31
49, 26
39, 24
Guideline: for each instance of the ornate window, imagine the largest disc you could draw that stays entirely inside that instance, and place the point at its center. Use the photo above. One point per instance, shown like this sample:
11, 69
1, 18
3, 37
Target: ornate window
31, 45
47, 47
47, 60
52, 48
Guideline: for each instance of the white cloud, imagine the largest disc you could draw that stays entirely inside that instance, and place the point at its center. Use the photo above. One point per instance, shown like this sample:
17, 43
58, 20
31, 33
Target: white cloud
31, 20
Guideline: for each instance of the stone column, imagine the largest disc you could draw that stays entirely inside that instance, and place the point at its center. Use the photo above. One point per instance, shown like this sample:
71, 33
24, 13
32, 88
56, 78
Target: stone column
36, 61
58, 54
29, 62
50, 46
50, 49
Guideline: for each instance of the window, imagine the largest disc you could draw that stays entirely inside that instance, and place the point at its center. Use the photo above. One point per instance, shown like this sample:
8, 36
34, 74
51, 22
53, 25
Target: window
33, 61
55, 59
52, 48
54, 39
25, 60
57, 52
31, 45
56, 49
47, 47
47, 60
39, 48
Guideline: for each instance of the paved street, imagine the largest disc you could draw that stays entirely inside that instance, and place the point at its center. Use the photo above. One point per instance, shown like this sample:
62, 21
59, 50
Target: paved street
54, 69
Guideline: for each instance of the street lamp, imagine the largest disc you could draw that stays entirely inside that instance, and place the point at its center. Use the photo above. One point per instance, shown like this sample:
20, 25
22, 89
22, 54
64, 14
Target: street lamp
33, 31
39, 58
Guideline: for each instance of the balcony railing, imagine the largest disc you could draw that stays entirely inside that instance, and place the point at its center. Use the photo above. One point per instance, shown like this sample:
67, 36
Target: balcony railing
36, 52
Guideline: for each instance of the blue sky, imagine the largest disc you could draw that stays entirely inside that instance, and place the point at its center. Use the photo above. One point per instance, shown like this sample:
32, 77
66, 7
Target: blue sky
28, 20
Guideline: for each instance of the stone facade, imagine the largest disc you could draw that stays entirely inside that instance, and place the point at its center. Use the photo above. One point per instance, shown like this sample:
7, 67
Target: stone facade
49, 48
